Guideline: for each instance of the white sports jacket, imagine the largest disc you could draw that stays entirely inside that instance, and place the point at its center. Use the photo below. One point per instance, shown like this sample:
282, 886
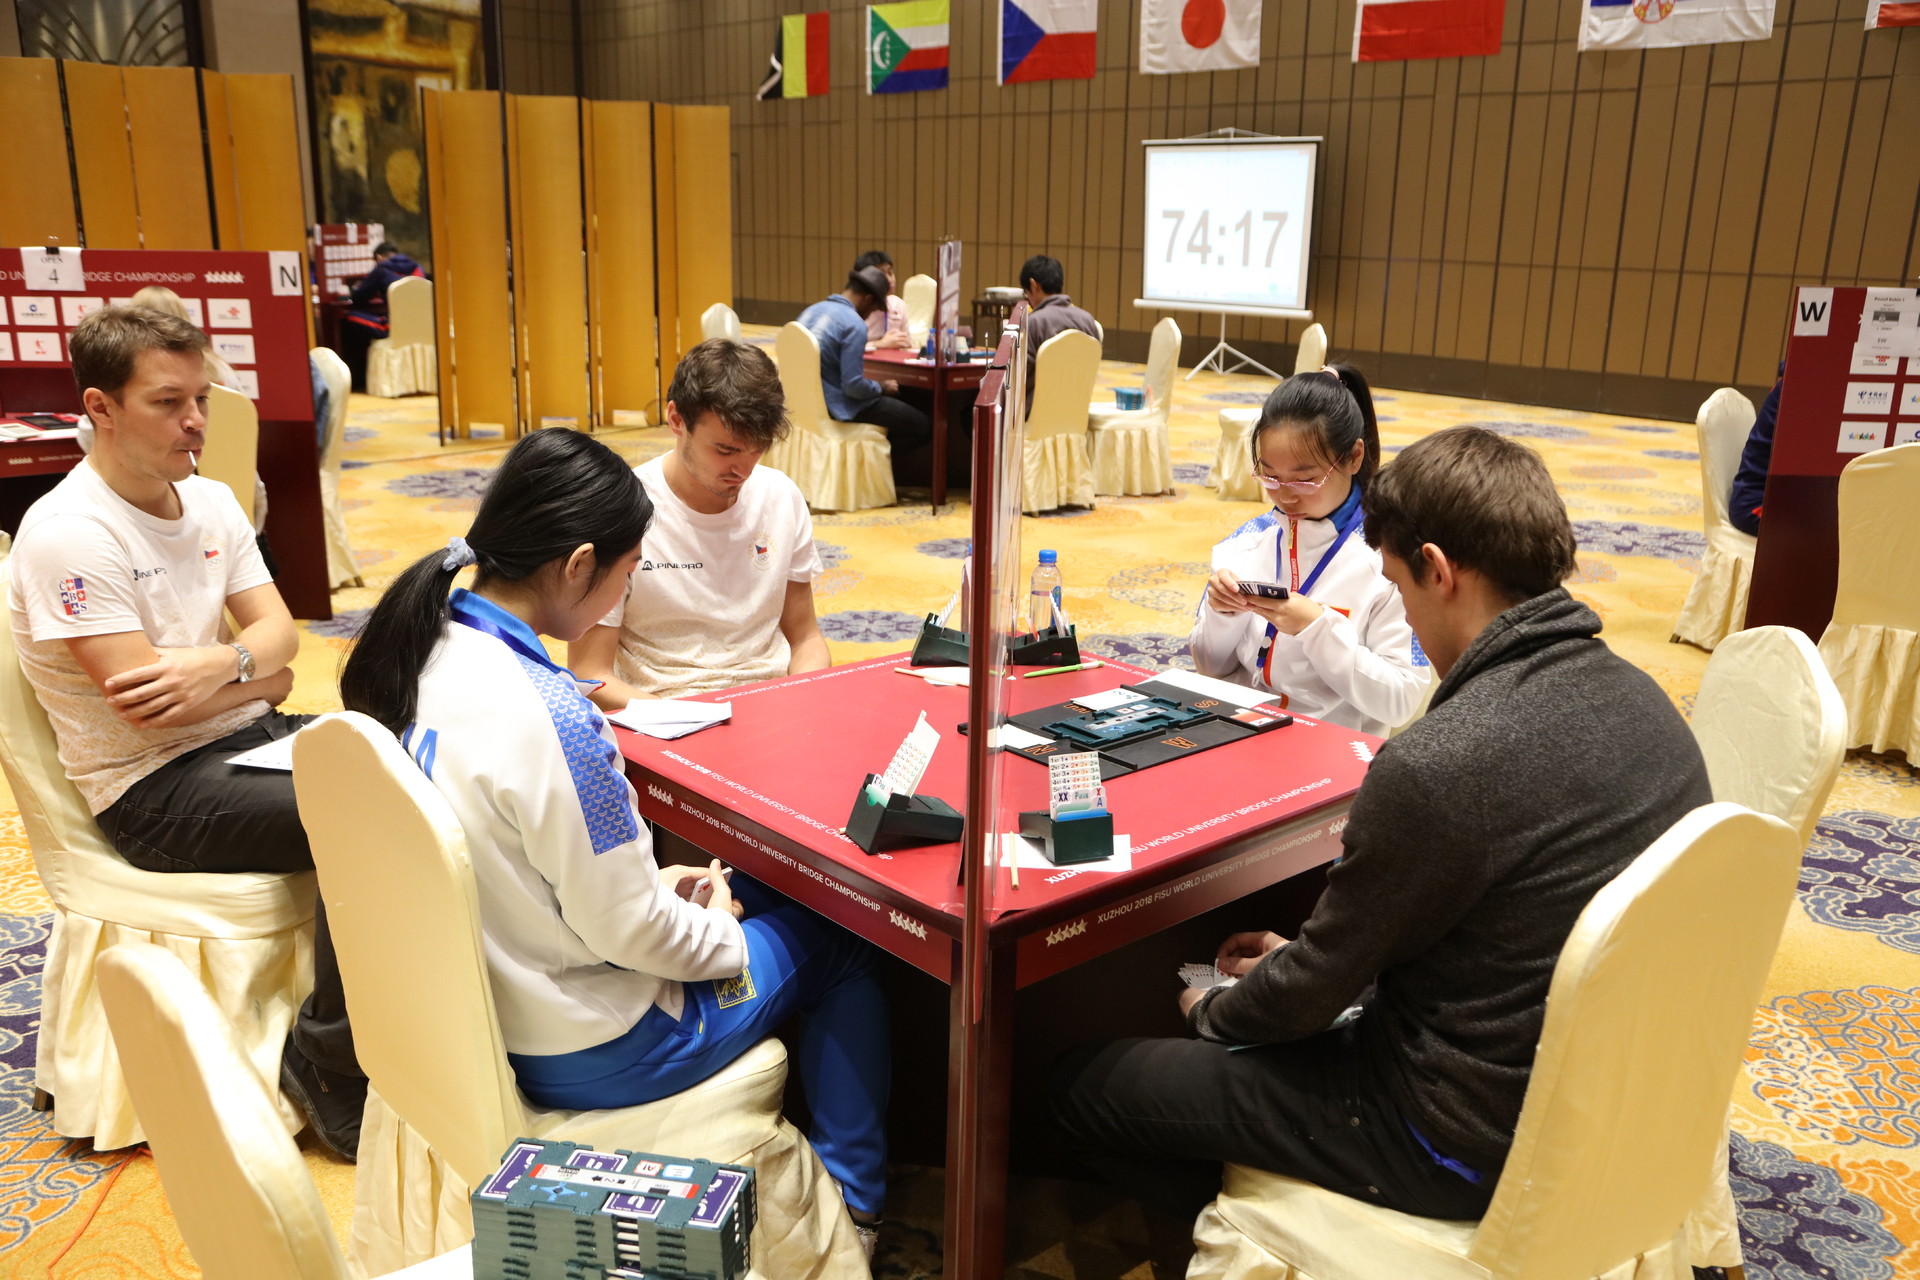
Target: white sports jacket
581, 938
1357, 664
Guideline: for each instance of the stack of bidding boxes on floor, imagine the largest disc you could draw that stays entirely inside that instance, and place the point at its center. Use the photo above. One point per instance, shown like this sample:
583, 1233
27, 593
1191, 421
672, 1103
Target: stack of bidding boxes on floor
561, 1211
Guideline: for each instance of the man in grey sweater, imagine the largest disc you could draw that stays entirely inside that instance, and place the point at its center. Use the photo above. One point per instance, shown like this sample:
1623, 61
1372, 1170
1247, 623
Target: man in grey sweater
1545, 765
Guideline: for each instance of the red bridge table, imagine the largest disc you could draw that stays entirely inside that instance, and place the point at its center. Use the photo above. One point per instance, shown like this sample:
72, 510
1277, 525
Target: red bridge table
770, 790
910, 370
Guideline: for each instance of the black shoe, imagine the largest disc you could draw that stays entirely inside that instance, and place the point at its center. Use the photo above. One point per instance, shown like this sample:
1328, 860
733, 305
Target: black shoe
332, 1102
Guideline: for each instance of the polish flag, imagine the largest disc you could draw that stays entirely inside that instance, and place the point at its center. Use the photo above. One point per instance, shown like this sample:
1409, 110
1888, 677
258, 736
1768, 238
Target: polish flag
1047, 40
1198, 35
1399, 30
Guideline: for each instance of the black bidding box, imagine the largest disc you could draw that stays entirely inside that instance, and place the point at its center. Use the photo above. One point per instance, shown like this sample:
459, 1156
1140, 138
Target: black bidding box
901, 820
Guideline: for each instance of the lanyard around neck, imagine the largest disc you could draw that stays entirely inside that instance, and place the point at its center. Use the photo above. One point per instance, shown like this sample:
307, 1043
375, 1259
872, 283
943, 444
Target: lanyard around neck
1350, 515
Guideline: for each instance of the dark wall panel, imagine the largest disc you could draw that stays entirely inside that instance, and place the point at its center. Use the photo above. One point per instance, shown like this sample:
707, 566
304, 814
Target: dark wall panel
1605, 230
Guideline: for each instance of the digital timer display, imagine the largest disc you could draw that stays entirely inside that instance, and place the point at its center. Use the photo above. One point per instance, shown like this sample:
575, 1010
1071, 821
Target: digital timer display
1229, 222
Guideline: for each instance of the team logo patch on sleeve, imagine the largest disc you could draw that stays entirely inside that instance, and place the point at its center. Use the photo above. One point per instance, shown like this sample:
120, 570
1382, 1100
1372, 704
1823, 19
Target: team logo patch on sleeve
735, 990
73, 596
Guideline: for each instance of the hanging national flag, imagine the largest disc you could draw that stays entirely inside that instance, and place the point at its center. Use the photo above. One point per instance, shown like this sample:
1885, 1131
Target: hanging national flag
799, 63
1198, 35
1047, 39
907, 46
1397, 30
1660, 24
1892, 13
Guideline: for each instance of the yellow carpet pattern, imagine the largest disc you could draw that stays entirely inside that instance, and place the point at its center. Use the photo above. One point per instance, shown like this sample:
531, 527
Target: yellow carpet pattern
1827, 1118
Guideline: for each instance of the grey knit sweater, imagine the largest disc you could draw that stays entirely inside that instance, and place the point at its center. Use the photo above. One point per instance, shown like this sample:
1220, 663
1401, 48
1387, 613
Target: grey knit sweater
1544, 767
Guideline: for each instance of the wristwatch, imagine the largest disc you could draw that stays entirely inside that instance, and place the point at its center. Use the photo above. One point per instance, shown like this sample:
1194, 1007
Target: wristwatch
246, 660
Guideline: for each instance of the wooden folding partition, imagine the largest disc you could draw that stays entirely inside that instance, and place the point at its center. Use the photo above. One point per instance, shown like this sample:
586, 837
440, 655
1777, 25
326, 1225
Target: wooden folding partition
265, 139
702, 190
549, 264
619, 217
39, 202
666, 240
169, 158
473, 305
103, 154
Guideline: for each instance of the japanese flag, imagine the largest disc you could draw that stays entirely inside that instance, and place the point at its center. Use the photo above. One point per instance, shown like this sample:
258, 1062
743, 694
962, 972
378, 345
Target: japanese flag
1199, 35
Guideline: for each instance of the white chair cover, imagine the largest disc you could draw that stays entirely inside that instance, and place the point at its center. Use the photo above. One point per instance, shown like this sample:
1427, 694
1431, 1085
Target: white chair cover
1131, 451
1311, 355
839, 466
404, 362
1057, 472
445, 1105
719, 321
342, 569
1772, 727
1627, 1098
249, 937
1232, 473
235, 1182
1872, 646
232, 451
1716, 604
918, 292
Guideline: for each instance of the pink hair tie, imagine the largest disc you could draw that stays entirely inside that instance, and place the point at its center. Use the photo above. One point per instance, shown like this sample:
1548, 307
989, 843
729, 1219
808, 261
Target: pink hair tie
1331, 372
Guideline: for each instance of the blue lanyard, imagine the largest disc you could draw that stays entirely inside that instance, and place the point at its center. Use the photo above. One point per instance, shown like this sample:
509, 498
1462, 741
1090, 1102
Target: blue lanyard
1349, 516
488, 627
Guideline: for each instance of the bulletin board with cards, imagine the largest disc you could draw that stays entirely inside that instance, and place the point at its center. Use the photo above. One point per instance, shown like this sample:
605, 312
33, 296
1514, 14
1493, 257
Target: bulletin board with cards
1852, 387
253, 307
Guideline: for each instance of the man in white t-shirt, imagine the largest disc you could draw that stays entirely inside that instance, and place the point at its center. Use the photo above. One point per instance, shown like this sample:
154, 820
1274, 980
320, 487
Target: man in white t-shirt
724, 591
120, 579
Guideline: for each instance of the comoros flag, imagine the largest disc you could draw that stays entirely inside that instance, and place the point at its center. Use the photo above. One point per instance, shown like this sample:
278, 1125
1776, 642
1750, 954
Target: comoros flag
907, 46
1047, 39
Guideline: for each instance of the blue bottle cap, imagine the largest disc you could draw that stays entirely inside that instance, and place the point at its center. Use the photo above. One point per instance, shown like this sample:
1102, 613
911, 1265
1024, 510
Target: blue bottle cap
1049, 557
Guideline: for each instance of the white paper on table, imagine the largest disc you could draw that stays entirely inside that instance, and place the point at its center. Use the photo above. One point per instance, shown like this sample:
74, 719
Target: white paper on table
1011, 737
945, 677
277, 755
669, 718
1110, 699
1206, 686
1030, 855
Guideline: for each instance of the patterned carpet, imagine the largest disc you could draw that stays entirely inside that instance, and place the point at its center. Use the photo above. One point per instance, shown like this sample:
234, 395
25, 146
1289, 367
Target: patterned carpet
1827, 1117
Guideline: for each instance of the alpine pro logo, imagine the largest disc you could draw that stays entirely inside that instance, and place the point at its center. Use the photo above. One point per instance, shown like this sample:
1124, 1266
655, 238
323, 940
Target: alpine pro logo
648, 565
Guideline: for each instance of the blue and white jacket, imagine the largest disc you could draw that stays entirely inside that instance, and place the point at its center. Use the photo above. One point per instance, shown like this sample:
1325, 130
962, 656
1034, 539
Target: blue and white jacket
581, 938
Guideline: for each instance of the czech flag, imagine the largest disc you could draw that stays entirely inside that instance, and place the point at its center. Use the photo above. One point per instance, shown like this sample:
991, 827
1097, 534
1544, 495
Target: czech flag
800, 62
1047, 39
1399, 30
907, 46
1892, 13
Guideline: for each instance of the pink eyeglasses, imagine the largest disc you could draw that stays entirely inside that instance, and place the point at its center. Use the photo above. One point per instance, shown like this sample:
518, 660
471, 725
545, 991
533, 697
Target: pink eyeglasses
1298, 486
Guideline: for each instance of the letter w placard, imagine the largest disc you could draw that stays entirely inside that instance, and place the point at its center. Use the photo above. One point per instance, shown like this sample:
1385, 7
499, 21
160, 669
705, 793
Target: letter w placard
1812, 311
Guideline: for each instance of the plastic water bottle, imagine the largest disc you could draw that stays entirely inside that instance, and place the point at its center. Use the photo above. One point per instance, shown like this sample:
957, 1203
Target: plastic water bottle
1044, 605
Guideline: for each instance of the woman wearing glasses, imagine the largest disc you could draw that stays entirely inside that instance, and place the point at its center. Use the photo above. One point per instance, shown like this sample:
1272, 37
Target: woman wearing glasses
1297, 602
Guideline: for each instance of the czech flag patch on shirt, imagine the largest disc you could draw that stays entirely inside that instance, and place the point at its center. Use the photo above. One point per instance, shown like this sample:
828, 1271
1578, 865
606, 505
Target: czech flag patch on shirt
73, 596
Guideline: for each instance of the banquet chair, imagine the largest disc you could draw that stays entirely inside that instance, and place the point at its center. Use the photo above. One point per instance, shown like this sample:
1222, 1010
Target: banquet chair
1232, 473
918, 293
231, 454
342, 569
236, 1184
1625, 1107
248, 935
1311, 355
1057, 470
1716, 603
1872, 646
719, 321
1131, 451
442, 1104
404, 363
839, 466
1772, 728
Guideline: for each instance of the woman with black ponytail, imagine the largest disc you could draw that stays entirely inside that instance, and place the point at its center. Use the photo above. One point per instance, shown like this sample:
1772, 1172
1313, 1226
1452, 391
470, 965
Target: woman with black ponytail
617, 981
1297, 602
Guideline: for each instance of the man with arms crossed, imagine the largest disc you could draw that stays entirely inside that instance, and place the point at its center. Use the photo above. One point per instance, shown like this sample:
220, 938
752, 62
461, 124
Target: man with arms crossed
724, 591
1545, 765
120, 578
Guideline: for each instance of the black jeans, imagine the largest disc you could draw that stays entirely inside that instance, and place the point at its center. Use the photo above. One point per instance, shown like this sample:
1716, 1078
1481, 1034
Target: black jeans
199, 813
1158, 1118
909, 432
355, 340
